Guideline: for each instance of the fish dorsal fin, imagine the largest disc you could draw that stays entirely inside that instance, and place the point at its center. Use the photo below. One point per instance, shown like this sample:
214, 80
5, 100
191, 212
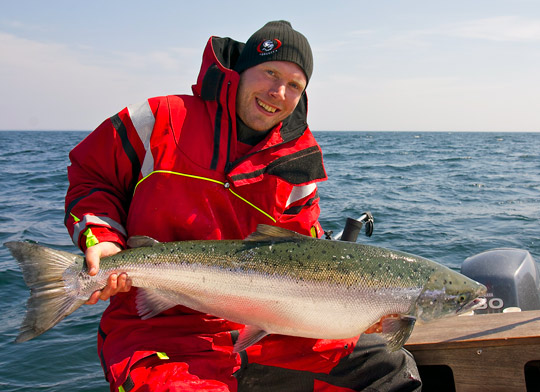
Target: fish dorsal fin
269, 233
141, 241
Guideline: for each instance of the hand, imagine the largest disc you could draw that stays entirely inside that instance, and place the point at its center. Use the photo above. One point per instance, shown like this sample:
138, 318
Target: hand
116, 283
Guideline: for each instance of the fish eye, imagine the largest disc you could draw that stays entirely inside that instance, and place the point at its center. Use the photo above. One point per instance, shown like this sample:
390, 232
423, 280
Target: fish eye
462, 298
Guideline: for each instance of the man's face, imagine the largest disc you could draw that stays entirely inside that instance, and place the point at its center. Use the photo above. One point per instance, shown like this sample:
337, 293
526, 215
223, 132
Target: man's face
268, 93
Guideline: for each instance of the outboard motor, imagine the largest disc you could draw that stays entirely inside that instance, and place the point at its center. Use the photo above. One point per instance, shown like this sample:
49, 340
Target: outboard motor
511, 277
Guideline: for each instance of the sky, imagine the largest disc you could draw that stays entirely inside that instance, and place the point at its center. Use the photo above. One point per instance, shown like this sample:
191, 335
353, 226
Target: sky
427, 65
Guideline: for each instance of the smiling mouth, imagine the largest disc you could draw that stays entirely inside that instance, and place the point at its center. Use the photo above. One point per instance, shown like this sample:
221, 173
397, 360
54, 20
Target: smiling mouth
266, 107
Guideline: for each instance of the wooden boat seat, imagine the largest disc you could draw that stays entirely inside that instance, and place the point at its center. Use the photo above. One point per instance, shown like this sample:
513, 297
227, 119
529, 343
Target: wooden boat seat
487, 352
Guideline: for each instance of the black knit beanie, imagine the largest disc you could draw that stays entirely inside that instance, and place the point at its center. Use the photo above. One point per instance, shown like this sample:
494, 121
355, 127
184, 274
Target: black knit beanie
276, 41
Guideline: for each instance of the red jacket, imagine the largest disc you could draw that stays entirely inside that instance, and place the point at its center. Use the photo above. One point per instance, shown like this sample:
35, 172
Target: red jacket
171, 168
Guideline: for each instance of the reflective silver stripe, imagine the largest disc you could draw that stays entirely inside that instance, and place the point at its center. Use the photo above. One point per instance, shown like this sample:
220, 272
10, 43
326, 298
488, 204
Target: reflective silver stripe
143, 120
299, 192
97, 220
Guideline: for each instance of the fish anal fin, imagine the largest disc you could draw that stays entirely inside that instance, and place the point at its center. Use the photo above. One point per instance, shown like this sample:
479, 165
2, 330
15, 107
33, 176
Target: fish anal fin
248, 336
272, 233
151, 302
140, 241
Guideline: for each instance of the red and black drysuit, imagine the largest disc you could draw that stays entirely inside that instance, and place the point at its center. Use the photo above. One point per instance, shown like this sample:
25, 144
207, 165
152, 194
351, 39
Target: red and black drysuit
171, 168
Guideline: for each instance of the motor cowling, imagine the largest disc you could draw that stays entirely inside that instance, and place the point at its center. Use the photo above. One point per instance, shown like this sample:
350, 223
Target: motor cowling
511, 276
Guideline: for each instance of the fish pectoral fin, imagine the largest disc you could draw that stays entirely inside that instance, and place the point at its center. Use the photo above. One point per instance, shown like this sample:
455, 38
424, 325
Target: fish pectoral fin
151, 302
248, 336
141, 241
272, 233
396, 329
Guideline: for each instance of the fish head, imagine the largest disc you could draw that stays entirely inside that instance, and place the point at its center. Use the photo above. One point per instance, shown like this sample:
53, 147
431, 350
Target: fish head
448, 293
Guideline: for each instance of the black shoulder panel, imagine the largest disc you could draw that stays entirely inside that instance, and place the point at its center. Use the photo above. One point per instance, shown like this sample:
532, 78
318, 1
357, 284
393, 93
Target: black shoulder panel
297, 168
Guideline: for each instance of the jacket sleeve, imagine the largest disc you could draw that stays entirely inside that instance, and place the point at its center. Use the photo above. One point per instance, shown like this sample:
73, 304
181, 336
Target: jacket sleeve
103, 172
302, 212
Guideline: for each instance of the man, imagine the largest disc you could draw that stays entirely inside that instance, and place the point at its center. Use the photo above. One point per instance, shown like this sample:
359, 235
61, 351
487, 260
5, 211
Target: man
213, 165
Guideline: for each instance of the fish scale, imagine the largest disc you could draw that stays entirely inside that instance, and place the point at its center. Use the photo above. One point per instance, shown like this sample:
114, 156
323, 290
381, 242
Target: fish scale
275, 281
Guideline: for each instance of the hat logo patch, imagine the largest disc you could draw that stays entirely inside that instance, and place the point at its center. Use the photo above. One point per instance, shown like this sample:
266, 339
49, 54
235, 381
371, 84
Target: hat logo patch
268, 46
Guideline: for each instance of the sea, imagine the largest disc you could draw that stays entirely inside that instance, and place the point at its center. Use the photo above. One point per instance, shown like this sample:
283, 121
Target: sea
444, 196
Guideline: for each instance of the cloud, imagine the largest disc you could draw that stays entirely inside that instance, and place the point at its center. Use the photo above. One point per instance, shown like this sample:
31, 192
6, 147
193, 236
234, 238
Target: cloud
501, 28
13, 24
47, 85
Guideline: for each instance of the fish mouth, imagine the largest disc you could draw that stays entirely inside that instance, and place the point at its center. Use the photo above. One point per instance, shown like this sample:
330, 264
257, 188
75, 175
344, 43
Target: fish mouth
474, 304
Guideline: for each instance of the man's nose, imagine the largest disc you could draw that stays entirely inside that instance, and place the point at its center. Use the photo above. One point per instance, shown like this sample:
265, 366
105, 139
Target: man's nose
278, 91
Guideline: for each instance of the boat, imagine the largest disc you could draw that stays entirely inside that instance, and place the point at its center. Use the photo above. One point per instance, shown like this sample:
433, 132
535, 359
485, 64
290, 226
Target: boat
495, 347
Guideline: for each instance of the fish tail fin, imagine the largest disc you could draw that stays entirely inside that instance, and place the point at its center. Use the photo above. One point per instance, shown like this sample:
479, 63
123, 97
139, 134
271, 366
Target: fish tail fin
49, 300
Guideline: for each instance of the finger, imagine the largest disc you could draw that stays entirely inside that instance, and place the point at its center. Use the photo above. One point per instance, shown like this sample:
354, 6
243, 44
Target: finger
128, 284
112, 281
111, 288
92, 259
122, 282
94, 298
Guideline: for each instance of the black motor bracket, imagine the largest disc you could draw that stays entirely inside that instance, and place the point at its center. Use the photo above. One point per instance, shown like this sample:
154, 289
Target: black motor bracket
353, 226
